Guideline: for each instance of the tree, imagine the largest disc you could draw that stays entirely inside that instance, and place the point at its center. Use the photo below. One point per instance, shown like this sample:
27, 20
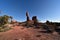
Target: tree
11, 18
4, 19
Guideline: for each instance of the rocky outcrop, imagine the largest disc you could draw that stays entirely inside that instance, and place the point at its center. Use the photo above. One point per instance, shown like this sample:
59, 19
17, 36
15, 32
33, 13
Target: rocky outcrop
34, 18
27, 16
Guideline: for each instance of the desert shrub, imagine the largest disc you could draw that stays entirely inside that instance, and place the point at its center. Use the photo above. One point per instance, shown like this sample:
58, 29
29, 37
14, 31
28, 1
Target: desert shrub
57, 29
47, 28
3, 29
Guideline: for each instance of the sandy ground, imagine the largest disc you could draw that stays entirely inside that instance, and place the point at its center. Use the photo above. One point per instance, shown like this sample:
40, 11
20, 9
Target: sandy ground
23, 33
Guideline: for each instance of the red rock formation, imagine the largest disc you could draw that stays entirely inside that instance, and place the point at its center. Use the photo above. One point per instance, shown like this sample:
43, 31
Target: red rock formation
27, 16
34, 18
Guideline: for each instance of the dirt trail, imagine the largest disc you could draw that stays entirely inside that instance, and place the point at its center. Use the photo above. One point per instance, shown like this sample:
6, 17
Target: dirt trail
18, 32
22, 33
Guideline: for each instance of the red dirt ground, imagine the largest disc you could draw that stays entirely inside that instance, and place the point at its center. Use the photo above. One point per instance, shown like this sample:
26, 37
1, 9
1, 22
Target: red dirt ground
23, 33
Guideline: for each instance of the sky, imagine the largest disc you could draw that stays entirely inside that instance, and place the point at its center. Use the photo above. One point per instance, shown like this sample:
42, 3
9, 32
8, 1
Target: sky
43, 9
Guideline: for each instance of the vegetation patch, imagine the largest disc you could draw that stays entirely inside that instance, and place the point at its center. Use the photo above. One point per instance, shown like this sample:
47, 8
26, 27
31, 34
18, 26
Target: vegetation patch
4, 29
5, 20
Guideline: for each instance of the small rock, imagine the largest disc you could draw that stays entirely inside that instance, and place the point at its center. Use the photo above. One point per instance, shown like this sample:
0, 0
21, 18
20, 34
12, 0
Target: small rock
38, 35
55, 33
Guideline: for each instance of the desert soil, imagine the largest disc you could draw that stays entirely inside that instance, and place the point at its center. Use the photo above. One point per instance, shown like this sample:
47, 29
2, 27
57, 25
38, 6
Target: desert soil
23, 33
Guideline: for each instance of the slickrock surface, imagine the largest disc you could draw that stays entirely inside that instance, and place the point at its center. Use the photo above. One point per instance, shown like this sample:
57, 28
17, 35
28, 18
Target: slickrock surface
23, 33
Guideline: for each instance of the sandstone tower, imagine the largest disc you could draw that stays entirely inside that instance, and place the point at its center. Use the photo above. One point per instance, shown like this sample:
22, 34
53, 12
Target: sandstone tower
27, 16
34, 18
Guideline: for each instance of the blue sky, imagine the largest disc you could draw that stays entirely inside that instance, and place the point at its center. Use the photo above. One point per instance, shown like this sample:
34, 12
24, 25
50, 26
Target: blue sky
43, 9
